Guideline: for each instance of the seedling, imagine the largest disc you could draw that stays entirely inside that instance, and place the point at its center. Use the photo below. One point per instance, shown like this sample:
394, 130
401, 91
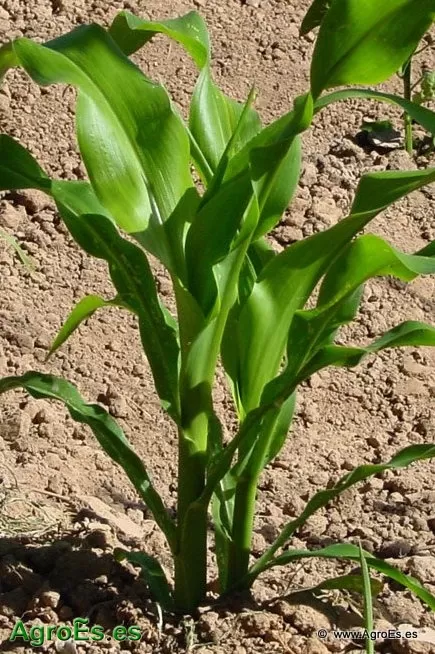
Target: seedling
237, 300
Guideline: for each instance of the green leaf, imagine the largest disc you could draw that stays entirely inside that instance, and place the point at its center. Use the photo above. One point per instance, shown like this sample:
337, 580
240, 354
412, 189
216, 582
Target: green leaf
314, 16
83, 310
409, 333
366, 257
106, 430
18, 169
368, 602
425, 117
351, 552
153, 573
287, 281
213, 116
134, 146
402, 459
133, 279
367, 42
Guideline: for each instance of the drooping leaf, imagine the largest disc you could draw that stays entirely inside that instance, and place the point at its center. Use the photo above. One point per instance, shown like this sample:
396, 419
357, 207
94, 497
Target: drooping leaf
20, 170
351, 552
153, 573
133, 279
422, 115
134, 146
83, 310
106, 430
213, 116
367, 42
286, 282
409, 333
366, 257
402, 459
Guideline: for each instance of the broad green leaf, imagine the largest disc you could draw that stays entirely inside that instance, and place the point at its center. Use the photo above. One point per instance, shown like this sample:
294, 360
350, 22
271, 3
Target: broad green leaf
402, 459
76, 198
425, 117
213, 116
352, 553
106, 430
134, 146
133, 279
365, 41
83, 310
130, 33
287, 281
20, 170
314, 16
366, 257
153, 573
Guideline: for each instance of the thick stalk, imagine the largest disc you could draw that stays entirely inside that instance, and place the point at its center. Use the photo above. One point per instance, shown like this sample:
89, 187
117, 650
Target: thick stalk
191, 556
407, 93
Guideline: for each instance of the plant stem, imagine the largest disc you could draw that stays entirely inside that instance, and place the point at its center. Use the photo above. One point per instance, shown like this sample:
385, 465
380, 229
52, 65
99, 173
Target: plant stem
191, 556
243, 522
407, 93
244, 503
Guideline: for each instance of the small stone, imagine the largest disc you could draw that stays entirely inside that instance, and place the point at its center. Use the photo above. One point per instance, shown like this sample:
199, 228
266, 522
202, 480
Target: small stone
309, 175
121, 523
34, 201
396, 497
10, 217
136, 515
401, 160
396, 549
5, 105
50, 598
423, 567
326, 210
259, 544
118, 407
255, 4
315, 646
65, 647
412, 387
24, 341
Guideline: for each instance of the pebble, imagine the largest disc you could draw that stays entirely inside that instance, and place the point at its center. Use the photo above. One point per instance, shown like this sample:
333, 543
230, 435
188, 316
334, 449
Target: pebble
423, 567
50, 598
326, 210
396, 549
10, 217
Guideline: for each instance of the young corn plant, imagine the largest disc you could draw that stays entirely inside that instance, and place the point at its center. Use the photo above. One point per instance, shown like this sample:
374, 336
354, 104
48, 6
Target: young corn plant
237, 300
313, 18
